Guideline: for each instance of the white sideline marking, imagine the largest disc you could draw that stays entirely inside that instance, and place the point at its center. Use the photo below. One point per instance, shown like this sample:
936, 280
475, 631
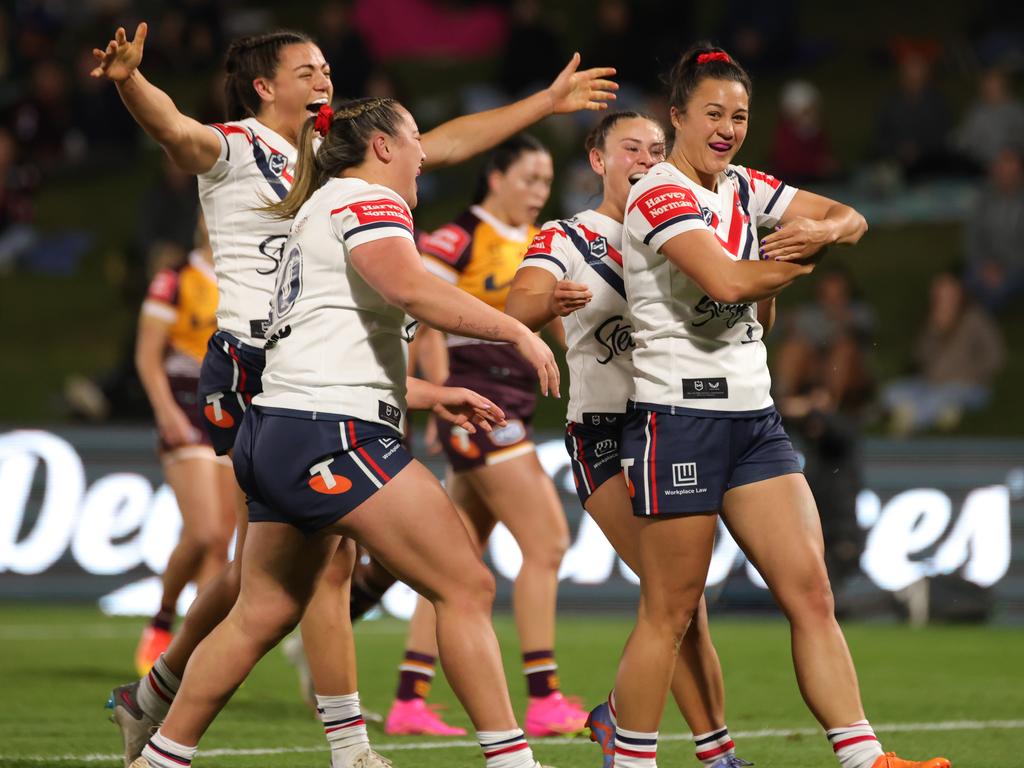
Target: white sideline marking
768, 733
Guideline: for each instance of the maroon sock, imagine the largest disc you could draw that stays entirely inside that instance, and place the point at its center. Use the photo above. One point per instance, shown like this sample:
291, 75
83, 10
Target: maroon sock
164, 620
541, 673
415, 676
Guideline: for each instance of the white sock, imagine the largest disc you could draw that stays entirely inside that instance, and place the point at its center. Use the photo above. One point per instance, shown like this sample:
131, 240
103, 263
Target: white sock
635, 749
161, 752
855, 745
505, 749
344, 727
714, 745
157, 690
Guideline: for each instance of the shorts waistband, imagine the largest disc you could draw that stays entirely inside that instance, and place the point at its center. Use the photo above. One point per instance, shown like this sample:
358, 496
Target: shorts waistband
237, 343
678, 410
294, 413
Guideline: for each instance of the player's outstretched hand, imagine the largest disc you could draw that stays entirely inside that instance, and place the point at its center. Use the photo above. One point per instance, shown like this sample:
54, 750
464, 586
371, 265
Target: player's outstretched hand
801, 240
542, 359
568, 297
590, 89
121, 56
465, 408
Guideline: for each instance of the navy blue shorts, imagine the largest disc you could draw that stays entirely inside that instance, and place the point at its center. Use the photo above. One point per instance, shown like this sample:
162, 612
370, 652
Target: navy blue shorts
680, 464
231, 376
311, 472
593, 446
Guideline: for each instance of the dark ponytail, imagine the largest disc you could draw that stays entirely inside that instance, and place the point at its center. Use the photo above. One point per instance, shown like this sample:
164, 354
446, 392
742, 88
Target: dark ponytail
700, 62
247, 59
344, 147
501, 159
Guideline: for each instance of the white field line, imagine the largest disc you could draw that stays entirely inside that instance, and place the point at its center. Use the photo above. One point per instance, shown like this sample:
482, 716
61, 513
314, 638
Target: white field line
768, 733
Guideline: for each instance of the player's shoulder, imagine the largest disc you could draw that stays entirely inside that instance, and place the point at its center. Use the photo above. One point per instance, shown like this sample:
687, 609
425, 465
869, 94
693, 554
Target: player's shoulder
365, 203
752, 177
551, 236
451, 241
239, 129
166, 282
661, 196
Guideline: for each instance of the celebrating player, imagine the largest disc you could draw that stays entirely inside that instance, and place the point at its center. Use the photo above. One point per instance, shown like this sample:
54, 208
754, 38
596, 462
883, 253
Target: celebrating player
320, 451
274, 83
573, 270
702, 436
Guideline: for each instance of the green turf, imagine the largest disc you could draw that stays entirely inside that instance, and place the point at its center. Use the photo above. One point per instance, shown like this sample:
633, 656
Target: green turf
57, 664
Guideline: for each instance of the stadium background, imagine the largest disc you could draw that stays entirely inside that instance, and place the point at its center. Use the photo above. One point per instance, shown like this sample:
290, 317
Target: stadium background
88, 209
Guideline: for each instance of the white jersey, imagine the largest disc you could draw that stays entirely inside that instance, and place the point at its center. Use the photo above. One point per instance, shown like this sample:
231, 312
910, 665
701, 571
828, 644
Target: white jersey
335, 346
693, 353
587, 249
255, 168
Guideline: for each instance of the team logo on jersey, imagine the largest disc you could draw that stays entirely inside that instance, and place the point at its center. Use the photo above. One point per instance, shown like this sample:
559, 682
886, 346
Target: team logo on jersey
512, 433
388, 413
322, 480
707, 309
277, 163
604, 447
706, 389
272, 247
707, 215
598, 248
289, 282
215, 412
615, 335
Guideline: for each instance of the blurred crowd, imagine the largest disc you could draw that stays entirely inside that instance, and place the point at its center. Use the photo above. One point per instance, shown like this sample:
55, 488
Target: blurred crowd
57, 122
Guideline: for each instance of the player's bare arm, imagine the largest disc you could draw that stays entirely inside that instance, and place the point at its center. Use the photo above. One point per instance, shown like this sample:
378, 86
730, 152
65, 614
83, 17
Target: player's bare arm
460, 139
192, 146
810, 223
394, 269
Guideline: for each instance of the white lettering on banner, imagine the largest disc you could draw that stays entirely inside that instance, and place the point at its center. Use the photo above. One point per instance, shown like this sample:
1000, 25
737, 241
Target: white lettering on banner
20, 455
120, 522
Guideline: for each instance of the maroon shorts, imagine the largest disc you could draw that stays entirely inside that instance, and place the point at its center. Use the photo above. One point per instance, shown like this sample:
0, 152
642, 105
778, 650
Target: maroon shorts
185, 390
467, 451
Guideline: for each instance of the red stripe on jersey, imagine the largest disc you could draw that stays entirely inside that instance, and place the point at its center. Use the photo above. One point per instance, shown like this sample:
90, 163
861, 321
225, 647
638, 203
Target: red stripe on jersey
384, 475
735, 227
241, 369
767, 178
583, 461
634, 753
654, 468
716, 751
505, 750
851, 741
229, 129
381, 210
542, 242
665, 202
612, 253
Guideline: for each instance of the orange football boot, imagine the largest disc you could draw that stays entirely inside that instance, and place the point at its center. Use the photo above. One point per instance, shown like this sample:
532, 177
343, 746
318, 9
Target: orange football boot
889, 760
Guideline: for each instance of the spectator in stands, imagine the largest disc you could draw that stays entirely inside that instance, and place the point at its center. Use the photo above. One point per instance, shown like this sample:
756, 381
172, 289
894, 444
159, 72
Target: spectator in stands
344, 49
994, 241
957, 355
801, 149
43, 121
913, 123
823, 381
17, 185
994, 122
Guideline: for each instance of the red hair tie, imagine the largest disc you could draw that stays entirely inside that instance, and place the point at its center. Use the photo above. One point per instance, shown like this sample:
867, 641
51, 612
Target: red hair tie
323, 119
704, 58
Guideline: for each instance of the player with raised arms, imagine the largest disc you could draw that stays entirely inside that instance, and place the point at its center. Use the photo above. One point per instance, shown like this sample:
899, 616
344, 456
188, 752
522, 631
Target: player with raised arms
702, 437
320, 452
274, 83
573, 270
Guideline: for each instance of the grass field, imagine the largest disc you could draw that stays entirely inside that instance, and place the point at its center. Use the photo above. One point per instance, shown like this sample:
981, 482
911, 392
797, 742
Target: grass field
957, 691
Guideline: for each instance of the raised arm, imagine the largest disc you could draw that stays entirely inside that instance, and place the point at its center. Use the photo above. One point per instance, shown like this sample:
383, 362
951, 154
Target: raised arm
462, 138
192, 146
810, 223
697, 254
394, 269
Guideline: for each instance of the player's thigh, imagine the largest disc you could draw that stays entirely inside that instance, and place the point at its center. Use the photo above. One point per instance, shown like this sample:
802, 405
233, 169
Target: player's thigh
411, 526
520, 495
195, 484
674, 556
472, 507
776, 524
612, 510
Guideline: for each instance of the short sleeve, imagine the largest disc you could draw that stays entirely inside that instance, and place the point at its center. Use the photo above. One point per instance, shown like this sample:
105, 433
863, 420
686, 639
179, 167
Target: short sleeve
162, 297
446, 251
769, 197
376, 215
663, 212
547, 251
235, 144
